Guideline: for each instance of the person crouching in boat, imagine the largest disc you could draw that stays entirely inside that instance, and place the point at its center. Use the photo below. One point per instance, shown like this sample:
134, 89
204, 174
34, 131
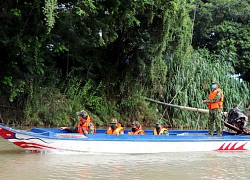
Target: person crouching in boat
159, 130
136, 129
85, 125
115, 127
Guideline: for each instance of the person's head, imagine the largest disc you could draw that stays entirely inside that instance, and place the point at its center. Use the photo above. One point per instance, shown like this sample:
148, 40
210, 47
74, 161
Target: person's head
158, 125
135, 126
214, 85
113, 123
82, 115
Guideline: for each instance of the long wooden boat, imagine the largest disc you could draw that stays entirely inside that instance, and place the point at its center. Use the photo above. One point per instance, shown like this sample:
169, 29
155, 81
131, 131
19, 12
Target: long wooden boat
52, 139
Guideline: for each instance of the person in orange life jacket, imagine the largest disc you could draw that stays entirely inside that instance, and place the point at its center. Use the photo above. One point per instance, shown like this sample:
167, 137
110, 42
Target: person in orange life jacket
215, 105
136, 129
115, 127
159, 130
85, 125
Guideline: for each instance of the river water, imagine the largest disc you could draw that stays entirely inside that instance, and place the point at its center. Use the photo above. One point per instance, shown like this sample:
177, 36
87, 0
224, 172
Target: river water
18, 164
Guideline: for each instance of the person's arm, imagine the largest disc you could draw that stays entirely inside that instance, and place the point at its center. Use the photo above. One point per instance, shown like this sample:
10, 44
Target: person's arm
70, 129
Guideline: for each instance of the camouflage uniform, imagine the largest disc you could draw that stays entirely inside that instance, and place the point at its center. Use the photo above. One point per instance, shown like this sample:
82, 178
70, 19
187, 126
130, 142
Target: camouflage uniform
215, 118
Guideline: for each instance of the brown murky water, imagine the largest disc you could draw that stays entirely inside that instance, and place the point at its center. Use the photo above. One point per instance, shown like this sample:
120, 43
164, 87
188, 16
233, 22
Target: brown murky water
18, 164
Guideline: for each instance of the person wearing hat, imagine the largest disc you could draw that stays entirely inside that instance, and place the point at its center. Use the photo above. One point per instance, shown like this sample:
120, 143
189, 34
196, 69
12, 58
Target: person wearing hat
215, 105
85, 125
115, 127
136, 129
159, 130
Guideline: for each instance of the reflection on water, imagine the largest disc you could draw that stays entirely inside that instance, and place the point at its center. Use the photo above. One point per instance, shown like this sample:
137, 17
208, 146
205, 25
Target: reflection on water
18, 164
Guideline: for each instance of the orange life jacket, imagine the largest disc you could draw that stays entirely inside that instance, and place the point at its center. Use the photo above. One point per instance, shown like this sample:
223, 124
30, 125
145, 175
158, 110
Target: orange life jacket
218, 104
118, 130
160, 132
85, 126
138, 131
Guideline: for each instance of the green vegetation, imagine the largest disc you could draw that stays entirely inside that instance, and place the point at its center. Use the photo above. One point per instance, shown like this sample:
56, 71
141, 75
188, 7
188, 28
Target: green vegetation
58, 57
224, 25
189, 84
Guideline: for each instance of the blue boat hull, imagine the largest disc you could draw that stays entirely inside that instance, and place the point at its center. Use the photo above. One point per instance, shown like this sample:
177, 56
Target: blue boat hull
52, 139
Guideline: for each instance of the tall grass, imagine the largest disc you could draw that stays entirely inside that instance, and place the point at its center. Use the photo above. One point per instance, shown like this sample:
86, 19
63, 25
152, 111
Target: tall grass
189, 83
51, 106
45, 106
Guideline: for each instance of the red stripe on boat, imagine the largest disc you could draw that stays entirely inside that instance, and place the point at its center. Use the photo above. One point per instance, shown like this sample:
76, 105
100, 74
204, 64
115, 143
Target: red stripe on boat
31, 145
232, 148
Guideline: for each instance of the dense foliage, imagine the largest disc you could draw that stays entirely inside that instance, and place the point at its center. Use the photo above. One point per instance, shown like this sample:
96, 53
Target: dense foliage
58, 57
221, 24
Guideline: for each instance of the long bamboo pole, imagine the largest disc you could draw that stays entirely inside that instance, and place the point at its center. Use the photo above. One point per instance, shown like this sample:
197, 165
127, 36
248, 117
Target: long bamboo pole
179, 107
182, 107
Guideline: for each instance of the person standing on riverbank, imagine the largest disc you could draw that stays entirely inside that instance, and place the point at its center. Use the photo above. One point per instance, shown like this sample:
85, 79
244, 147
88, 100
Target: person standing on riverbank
215, 105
